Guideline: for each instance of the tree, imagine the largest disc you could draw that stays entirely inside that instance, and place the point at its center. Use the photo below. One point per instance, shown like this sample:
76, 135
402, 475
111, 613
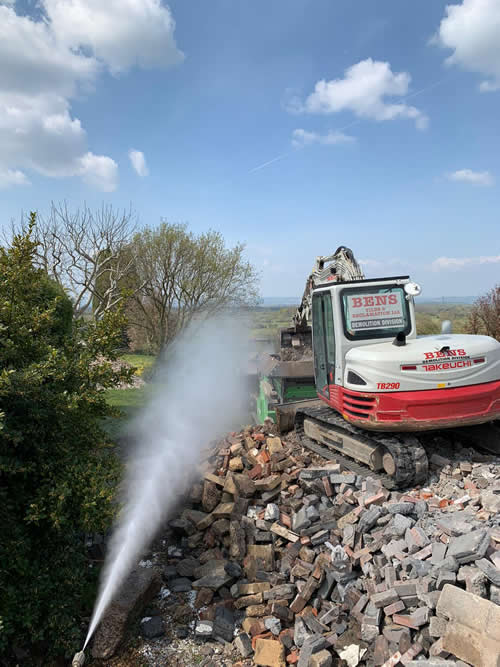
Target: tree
484, 317
57, 474
182, 276
85, 252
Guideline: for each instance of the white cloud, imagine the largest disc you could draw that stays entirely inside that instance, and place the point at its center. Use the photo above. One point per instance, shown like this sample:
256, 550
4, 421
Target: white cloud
9, 177
364, 91
98, 171
471, 29
455, 263
483, 178
120, 33
56, 58
138, 162
301, 138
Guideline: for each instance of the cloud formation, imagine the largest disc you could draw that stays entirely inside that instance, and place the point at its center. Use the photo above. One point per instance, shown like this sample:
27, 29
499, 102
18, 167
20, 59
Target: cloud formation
471, 29
138, 162
58, 57
364, 90
120, 33
455, 263
10, 177
301, 138
483, 178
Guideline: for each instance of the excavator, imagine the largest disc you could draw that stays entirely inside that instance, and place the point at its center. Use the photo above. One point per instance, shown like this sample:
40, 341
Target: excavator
380, 386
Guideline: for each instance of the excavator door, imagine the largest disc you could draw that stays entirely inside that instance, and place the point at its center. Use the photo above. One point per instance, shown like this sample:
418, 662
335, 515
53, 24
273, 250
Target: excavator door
323, 342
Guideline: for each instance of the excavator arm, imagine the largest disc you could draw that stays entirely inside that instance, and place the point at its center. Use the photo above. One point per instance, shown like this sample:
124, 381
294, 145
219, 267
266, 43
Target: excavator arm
339, 267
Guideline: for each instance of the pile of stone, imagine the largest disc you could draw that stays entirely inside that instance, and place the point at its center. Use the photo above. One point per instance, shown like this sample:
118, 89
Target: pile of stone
305, 564
297, 561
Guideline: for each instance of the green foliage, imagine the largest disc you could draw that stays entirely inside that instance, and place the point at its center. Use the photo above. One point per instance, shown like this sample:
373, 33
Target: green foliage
484, 317
179, 276
266, 322
57, 474
430, 317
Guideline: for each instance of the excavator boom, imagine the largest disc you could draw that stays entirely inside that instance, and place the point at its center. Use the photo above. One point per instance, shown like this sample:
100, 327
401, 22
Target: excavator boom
341, 266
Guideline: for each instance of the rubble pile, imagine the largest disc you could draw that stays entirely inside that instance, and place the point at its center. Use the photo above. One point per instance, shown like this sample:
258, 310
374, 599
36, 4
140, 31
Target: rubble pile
297, 561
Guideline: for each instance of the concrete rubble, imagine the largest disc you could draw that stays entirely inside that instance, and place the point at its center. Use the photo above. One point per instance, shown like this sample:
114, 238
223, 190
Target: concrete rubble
296, 561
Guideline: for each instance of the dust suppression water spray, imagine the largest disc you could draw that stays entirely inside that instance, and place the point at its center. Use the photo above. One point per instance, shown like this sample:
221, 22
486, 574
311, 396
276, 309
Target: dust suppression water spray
199, 396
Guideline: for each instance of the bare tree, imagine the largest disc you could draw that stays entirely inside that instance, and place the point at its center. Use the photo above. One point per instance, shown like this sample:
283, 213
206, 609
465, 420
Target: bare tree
88, 253
484, 317
183, 276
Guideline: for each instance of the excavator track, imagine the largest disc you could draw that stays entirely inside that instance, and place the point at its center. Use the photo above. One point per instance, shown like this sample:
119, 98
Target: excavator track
408, 457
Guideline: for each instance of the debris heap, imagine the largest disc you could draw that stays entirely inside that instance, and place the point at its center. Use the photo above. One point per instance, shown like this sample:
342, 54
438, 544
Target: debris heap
295, 561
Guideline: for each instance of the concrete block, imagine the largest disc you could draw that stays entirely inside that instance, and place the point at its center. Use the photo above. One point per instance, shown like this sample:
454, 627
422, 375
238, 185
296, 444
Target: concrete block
310, 647
473, 633
138, 590
269, 653
492, 572
469, 547
321, 659
244, 645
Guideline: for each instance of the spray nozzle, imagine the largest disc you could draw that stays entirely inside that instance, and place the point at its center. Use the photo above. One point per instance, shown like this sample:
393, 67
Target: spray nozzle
78, 659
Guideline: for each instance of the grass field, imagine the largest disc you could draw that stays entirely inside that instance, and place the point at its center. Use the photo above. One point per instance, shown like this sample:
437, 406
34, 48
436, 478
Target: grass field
139, 361
128, 401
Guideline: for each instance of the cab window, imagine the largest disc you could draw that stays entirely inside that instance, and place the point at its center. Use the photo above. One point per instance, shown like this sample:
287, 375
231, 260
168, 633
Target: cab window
375, 312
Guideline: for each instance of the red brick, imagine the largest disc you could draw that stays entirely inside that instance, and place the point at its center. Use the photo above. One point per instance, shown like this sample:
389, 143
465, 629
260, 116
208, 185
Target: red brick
377, 499
394, 608
328, 486
411, 653
255, 472
407, 621
423, 553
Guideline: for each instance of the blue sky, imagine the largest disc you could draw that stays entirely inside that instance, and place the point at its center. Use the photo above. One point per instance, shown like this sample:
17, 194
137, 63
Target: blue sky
292, 125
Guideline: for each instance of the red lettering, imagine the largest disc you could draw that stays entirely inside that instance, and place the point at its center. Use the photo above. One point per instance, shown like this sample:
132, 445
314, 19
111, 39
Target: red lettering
393, 299
381, 300
461, 353
452, 353
356, 302
369, 301
429, 355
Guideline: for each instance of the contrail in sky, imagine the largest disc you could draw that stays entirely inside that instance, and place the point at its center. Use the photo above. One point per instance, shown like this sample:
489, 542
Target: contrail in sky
266, 164
354, 122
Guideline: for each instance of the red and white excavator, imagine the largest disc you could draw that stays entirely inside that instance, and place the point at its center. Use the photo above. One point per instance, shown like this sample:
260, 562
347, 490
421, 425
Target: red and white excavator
374, 374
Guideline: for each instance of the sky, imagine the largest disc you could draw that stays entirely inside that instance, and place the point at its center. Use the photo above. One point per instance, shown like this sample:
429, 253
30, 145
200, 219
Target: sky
294, 126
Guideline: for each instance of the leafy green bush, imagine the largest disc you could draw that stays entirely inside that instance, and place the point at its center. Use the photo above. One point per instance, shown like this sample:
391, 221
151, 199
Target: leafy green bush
57, 471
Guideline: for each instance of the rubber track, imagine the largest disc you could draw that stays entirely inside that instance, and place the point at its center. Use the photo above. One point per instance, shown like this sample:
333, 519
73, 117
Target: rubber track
408, 453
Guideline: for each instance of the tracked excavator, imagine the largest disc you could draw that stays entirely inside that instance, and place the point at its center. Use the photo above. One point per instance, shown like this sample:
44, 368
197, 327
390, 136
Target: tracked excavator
380, 385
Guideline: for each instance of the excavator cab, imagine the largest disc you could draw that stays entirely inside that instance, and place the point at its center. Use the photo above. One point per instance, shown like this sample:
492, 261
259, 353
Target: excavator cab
373, 374
372, 368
